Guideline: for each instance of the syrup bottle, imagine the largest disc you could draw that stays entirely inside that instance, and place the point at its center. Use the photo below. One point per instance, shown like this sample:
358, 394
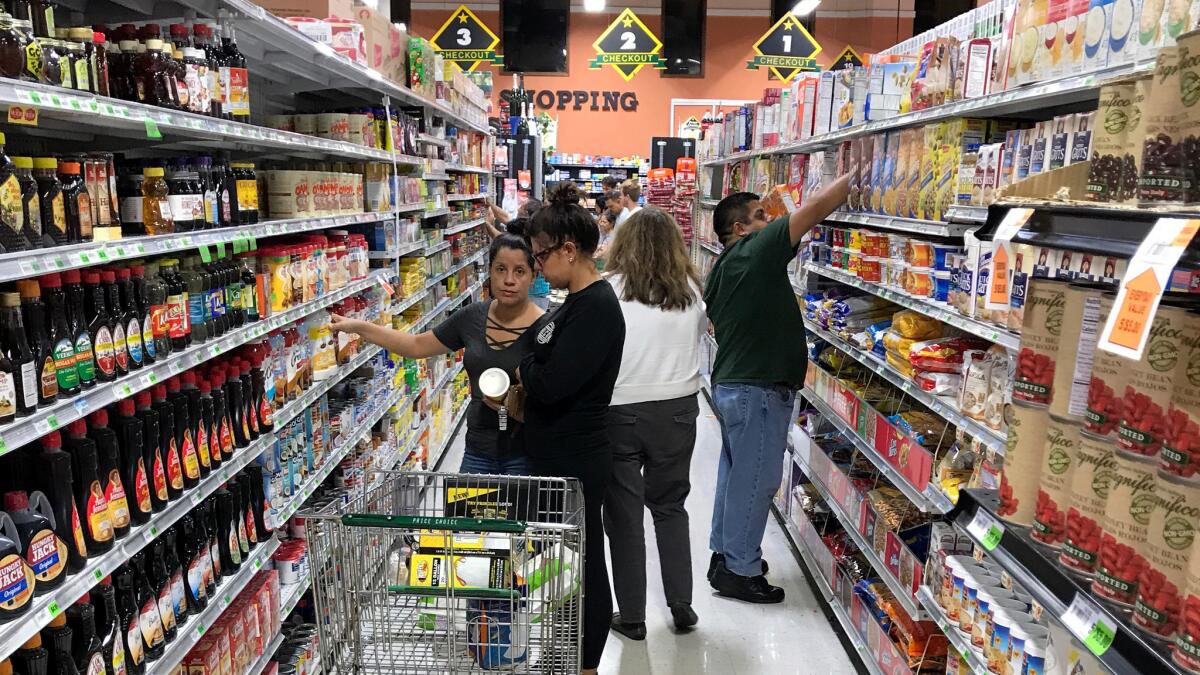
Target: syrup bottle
184, 438
85, 356
16, 578
192, 550
109, 453
134, 475
195, 422
61, 340
19, 353
207, 436
160, 585
112, 301
58, 637
89, 489
175, 571
147, 601
33, 311
156, 466
99, 325
129, 621
130, 318
166, 435
110, 629
58, 483
42, 548
87, 650
32, 658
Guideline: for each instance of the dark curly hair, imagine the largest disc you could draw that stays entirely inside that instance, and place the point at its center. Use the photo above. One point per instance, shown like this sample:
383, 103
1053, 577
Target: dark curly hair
563, 219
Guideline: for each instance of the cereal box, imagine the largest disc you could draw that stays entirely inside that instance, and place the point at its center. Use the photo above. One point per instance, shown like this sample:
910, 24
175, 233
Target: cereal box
1095, 30
887, 203
843, 99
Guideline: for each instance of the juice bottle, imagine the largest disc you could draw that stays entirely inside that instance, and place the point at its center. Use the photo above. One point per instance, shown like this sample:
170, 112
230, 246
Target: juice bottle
134, 475
33, 311
77, 200
141, 305
90, 489
112, 297
87, 649
50, 197
129, 622
130, 318
109, 628
18, 352
61, 339
175, 572
45, 552
156, 296
184, 439
152, 455
58, 483
31, 204
85, 353
195, 420
160, 585
99, 325
157, 216
149, 618
108, 453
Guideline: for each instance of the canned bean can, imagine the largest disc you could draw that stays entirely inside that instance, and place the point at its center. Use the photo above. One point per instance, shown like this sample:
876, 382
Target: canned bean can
1023, 451
1112, 159
334, 126
1163, 178
1185, 650
1180, 454
1073, 373
1040, 336
1123, 538
1054, 484
1150, 383
305, 124
1109, 375
1091, 481
1169, 537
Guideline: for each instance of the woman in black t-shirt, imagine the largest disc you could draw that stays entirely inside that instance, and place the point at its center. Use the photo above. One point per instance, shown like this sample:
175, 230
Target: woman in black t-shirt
493, 334
568, 377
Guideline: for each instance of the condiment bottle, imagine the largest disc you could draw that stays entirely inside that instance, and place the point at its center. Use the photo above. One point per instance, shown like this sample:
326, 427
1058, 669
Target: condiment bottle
208, 440
175, 572
142, 307
12, 213
130, 318
188, 388
223, 423
8, 388
251, 407
85, 63
152, 454
166, 434
196, 78
31, 205
248, 530
57, 636
32, 658
235, 78
18, 352
177, 304
198, 311
160, 584
130, 184
186, 198
100, 324
34, 313
157, 216
90, 489
50, 196
134, 475
112, 296
227, 535
110, 629
208, 543
147, 601
156, 294
258, 393
214, 292
61, 339
100, 69
85, 357
58, 483
87, 649
237, 406
77, 201
108, 453
192, 551
184, 438
45, 552
43, 18
130, 623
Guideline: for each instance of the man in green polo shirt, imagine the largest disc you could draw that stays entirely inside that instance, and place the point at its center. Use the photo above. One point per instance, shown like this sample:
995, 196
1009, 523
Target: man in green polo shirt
761, 360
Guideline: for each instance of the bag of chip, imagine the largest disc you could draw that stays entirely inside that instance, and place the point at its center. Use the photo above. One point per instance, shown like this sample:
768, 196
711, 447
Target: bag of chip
943, 355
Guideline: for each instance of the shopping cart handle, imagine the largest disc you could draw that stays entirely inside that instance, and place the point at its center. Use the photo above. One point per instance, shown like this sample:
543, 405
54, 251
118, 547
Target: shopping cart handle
464, 593
434, 523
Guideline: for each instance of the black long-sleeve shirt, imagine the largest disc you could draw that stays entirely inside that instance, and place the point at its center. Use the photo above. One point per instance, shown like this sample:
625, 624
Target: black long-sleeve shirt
570, 373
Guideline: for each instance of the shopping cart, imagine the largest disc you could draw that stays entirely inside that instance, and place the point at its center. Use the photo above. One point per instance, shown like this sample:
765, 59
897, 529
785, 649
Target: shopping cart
450, 573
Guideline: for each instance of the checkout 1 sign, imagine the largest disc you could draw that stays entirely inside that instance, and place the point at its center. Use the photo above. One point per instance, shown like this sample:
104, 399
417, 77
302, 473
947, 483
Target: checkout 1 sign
465, 41
786, 48
628, 46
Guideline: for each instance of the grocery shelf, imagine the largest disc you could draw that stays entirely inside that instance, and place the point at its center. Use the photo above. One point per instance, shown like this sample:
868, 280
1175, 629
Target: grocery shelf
404, 303
28, 429
1048, 94
466, 168
436, 213
930, 500
462, 227
435, 176
946, 409
627, 167
934, 228
268, 651
925, 306
1055, 590
960, 643
715, 249
290, 595
430, 249
409, 208
466, 197
444, 305
903, 595
450, 435
469, 260
973, 215
403, 449
431, 140
191, 632
399, 252
849, 629
22, 264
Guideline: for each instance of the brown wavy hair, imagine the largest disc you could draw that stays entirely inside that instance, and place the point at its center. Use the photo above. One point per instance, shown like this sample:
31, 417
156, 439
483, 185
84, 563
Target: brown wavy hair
649, 252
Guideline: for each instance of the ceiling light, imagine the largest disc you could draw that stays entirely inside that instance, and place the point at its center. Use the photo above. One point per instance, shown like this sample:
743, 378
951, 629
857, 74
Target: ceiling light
593, 5
805, 7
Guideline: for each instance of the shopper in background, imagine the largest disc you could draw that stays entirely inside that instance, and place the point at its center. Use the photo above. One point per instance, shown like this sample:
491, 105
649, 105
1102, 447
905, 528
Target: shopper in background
568, 378
608, 185
495, 214
652, 418
606, 238
631, 192
761, 361
494, 334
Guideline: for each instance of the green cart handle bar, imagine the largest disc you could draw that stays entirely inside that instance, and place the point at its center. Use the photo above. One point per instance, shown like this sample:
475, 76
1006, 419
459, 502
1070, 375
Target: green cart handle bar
434, 523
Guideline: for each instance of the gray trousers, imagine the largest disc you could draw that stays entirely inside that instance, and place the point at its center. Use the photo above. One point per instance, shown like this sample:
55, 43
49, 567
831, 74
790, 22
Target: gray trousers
652, 446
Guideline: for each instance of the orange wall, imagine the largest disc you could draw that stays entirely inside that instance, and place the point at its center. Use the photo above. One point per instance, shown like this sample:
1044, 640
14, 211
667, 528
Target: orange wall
728, 46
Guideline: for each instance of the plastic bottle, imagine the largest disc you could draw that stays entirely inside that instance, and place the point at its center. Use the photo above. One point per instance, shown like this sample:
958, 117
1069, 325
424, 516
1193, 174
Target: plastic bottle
175, 572
235, 402
77, 200
196, 421
130, 318
156, 296
129, 621
61, 340
8, 388
207, 533
87, 650
31, 204
134, 476
177, 305
193, 279
224, 409
32, 658
157, 216
152, 455
85, 350
33, 311
160, 584
214, 299
112, 296
249, 410
207, 435
184, 438
108, 454
110, 629
212, 204
17, 583
227, 530
18, 352
50, 196
258, 393
192, 551
99, 325
41, 546
166, 435
186, 198
250, 524
58, 483
235, 78
90, 488
149, 618
258, 500
57, 638
142, 307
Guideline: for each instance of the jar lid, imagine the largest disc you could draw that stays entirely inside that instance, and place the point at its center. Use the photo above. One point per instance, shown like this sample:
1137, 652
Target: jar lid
68, 167
80, 33
45, 163
154, 171
23, 162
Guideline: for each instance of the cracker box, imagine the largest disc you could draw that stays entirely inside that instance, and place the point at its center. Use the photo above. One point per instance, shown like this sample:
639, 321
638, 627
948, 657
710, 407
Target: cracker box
204, 659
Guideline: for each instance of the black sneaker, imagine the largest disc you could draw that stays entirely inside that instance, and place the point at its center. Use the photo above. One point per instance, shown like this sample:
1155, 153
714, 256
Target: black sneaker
749, 589
633, 631
685, 617
720, 558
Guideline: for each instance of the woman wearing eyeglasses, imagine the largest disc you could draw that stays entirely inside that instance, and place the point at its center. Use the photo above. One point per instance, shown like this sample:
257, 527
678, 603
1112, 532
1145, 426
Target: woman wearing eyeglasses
569, 376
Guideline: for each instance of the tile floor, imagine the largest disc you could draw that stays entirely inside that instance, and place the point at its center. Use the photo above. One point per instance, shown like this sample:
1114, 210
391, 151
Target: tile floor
733, 638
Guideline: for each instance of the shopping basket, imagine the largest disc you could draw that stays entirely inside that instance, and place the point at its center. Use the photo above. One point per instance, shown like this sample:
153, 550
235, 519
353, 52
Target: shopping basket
450, 573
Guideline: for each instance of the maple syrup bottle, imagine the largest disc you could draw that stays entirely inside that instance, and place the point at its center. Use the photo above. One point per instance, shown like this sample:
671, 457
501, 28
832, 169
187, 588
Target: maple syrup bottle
89, 489
134, 475
184, 437
169, 447
58, 482
156, 466
109, 454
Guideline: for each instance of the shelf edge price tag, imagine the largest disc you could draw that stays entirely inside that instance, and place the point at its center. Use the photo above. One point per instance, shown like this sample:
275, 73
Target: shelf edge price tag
152, 129
1088, 623
1148, 276
986, 529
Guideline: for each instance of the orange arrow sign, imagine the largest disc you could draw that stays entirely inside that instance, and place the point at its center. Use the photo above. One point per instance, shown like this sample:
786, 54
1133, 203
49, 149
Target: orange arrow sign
1134, 315
999, 277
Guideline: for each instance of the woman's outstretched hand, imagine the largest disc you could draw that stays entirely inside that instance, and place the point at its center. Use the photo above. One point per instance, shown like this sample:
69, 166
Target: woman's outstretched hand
345, 325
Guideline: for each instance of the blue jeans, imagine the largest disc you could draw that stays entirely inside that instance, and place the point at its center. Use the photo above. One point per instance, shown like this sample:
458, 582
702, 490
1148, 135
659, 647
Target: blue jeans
754, 430
515, 465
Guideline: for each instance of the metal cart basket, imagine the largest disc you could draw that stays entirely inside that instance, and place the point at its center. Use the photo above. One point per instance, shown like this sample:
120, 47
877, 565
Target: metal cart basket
450, 573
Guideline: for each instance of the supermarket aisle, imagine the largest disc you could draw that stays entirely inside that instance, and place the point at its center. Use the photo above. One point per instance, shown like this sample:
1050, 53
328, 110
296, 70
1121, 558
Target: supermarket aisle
733, 638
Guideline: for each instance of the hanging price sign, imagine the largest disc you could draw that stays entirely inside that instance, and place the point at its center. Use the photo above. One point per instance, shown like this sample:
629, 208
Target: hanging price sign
1093, 627
786, 48
628, 46
466, 41
1003, 258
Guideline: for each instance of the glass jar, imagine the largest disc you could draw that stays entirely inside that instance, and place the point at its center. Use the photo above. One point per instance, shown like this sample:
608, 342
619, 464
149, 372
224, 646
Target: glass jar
157, 217
186, 198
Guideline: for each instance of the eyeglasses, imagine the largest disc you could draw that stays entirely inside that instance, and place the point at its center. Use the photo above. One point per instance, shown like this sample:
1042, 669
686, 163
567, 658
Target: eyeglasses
545, 253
